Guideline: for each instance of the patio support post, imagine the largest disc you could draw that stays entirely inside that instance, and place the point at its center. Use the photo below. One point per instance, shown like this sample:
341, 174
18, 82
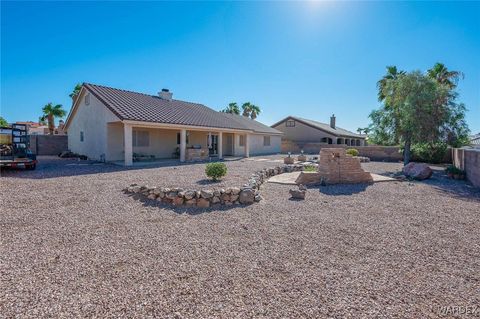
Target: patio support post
220, 145
247, 146
183, 144
127, 141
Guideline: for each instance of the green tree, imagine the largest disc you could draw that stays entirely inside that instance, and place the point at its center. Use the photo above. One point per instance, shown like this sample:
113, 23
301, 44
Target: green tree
232, 108
50, 112
247, 109
254, 111
76, 91
411, 112
442, 75
3, 122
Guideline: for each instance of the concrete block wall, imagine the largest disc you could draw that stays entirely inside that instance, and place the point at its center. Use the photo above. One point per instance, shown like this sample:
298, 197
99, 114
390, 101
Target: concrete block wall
48, 144
469, 161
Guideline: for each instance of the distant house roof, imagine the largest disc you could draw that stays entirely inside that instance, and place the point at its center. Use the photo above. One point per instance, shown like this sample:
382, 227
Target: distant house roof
142, 107
337, 131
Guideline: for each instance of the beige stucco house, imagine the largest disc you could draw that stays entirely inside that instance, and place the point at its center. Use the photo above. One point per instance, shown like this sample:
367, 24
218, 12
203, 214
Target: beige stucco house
301, 130
116, 125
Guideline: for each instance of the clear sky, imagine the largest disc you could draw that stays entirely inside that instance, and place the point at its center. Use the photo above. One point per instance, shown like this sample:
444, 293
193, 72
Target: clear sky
309, 59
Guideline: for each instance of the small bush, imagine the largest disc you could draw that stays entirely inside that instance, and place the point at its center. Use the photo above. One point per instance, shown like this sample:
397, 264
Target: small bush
454, 170
216, 170
352, 151
429, 152
310, 168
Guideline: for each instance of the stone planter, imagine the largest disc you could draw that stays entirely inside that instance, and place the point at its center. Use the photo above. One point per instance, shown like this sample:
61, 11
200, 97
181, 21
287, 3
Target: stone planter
302, 158
288, 160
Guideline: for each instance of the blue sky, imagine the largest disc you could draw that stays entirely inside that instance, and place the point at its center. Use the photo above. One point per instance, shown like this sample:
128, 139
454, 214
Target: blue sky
308, 59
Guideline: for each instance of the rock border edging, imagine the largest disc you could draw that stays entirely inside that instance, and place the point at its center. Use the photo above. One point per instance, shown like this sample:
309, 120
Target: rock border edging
204, 198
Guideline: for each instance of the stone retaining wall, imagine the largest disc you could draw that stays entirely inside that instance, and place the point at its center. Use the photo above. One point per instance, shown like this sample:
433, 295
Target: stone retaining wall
203, 198
469, 161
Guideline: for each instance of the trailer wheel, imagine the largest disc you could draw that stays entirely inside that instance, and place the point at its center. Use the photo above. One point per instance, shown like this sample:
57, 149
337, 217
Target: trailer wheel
31, 167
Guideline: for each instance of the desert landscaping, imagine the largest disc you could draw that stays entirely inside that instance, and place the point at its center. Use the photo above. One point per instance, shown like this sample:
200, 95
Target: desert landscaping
80, 246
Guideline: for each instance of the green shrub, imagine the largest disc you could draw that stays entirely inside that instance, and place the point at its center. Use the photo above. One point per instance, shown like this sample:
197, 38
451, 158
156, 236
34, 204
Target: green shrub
429, 152
216, 170
352, 151
310, 168
454, 170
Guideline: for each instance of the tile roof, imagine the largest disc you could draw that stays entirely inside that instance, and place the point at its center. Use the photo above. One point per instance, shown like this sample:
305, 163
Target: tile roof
135, 106
337, 131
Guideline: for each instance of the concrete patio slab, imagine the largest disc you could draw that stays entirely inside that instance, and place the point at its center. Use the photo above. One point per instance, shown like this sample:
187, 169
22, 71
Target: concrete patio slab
290, 178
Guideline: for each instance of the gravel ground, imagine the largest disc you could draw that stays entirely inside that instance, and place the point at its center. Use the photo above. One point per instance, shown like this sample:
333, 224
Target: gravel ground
73, 245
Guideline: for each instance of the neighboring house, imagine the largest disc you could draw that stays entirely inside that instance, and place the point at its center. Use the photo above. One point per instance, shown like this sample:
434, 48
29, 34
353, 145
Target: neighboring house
475, 140
35, 128
301, 130
116, 125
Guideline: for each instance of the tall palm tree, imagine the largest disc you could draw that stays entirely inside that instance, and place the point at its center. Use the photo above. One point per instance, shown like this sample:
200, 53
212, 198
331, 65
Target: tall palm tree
50, 112
76, 91
254, 111
440, 73
247, 109
232, 108
42, 120
392, 74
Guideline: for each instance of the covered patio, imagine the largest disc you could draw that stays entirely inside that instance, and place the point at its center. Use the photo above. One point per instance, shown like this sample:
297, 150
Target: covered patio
139, 143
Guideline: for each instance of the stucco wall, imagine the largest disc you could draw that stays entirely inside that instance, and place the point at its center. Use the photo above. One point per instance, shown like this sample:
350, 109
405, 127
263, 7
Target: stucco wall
469, 161
257, 148
92, 120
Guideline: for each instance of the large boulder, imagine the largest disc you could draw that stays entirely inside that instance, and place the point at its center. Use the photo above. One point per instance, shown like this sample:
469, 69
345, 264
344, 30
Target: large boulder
418, 171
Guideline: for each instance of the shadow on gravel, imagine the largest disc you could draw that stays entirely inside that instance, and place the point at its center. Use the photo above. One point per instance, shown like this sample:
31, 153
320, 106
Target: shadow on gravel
460, 189
182, 209
343, 189
207, 181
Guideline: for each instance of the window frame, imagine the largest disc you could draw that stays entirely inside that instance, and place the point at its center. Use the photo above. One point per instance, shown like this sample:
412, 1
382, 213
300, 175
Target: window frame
290, 123
135, 138
266, 138
82, 136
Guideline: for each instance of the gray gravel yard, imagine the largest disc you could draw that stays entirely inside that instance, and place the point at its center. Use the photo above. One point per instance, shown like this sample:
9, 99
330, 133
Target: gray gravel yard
73, 244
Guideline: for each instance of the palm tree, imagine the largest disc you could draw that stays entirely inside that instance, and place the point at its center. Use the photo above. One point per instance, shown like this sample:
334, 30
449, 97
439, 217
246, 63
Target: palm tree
50, 112
75, 91
254, 111
247, 109
443, 76
42, 120
232, 108
392, 74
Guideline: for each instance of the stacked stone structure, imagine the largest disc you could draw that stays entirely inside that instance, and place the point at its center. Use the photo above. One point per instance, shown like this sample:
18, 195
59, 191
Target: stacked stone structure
336, 167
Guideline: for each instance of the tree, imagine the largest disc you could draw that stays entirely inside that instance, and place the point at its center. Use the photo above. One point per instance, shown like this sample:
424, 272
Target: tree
254, 111
442, 75
3, 122
250, 110
247, 109
392, 74
42, 120
232, 108
76, 91
50, 112
412, 113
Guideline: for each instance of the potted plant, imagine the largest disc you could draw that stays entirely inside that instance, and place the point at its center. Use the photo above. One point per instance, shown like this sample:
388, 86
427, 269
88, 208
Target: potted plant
289, 159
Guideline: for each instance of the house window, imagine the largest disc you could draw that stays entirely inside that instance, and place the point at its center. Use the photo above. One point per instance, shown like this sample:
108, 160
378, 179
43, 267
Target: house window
241, 142
87, 99
81, 136
178, 138
290, 123
141, 138
266, 141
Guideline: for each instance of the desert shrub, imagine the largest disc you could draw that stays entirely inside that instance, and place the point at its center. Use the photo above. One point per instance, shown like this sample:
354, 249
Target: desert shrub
429, 152
451, 169
310, 168
352, 151
216, 170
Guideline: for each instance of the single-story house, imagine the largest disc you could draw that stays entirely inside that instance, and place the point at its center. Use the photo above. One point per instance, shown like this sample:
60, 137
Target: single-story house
117, 125
301, 130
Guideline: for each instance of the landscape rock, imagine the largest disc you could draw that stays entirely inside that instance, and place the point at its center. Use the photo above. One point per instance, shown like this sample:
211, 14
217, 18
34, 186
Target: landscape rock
297, 193
247, 196
419, 171
203, 203
206, 193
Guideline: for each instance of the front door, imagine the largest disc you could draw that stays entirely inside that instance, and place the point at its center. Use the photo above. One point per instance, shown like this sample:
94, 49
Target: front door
213, 150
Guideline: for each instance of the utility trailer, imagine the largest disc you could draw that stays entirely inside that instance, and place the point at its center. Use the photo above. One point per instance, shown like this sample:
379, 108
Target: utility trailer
14, 150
